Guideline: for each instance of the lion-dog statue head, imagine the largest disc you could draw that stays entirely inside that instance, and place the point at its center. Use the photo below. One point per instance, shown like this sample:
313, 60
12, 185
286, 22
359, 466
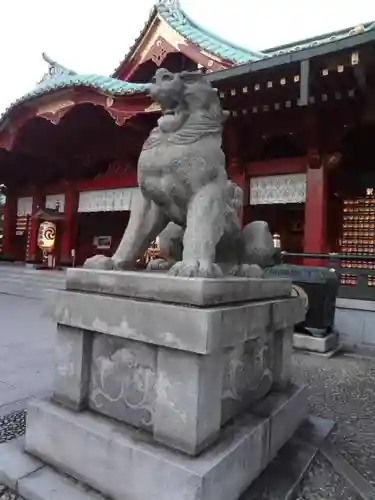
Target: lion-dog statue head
182, 96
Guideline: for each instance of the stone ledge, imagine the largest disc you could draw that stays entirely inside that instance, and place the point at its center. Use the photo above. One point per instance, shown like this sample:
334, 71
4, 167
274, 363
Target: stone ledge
47, 484
199, 330
355, 304
14, 464
122, 462
276, 408
315, 344
279, 480
199, 292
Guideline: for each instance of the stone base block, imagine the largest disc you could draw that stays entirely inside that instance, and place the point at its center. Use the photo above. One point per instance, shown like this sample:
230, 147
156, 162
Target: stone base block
280, 480
125, 463
29, 477
316, 344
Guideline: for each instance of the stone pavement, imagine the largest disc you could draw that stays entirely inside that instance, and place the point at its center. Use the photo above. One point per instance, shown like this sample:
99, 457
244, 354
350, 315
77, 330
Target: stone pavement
26, 363
26, 352
342, 389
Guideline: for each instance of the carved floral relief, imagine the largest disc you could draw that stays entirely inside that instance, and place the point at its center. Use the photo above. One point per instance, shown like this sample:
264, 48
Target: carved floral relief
123, 380
248, 375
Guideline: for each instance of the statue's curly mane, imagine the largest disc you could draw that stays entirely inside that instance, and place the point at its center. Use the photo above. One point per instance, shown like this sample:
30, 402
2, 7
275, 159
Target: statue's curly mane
202, 101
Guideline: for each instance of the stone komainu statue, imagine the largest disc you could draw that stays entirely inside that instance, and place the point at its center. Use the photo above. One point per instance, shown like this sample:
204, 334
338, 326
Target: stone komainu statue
185, 194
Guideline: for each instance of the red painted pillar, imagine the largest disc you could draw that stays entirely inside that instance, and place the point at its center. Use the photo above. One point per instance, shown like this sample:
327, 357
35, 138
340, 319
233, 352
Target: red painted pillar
69, 226
32, 237
315, 213
9, 225
235, 168
240, 179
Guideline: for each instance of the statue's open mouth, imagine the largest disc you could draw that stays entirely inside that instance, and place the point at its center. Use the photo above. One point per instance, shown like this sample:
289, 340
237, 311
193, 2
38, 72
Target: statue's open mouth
170, 107
169, 111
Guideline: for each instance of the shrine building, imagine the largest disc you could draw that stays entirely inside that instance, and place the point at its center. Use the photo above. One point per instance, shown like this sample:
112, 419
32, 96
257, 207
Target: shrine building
299, 141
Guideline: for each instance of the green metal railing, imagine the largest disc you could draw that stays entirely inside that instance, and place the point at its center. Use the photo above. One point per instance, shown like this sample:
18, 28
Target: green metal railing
355, 282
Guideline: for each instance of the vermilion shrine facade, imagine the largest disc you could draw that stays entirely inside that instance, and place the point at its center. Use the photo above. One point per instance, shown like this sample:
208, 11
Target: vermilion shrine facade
299, 116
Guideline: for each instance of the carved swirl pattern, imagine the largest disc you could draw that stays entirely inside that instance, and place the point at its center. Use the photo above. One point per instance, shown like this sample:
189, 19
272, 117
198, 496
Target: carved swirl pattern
123, 380
248, 373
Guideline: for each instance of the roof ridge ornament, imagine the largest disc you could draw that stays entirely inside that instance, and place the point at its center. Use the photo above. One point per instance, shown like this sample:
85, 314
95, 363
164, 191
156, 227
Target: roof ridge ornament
55, 69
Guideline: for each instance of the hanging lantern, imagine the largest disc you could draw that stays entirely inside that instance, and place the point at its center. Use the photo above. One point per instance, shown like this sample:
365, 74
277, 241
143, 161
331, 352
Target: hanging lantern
276, 241
47, 235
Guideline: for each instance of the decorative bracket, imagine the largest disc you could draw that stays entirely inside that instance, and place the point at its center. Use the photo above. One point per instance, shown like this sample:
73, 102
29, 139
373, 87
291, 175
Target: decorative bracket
55, 69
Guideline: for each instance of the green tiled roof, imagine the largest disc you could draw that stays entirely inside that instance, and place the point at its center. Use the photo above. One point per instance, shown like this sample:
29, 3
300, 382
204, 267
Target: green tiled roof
172, 13
318, 40
181, 22
104, 84
60, 78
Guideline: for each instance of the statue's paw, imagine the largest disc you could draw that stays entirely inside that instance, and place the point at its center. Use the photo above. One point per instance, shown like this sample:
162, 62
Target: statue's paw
196, 269
123, 265
249, 271
99, 262
159, 265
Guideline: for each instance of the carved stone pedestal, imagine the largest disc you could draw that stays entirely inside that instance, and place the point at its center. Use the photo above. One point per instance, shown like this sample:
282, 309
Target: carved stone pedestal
174, 386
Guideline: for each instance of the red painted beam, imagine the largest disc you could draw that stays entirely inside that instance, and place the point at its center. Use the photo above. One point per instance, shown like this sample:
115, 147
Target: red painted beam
277, 167
116, 182
120, 108
128, 180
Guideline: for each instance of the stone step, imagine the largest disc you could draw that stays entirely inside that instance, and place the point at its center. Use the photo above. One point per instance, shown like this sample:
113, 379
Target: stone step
38, 283
21, 288
29, 267
280, 481
361, 486
31, 479
25, 280
29, 283
36, 280
27, 293
46, 484
282, 478
29, 290
38, 275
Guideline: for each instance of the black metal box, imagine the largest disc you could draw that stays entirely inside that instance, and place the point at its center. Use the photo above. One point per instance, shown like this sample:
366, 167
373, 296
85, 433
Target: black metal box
321, 287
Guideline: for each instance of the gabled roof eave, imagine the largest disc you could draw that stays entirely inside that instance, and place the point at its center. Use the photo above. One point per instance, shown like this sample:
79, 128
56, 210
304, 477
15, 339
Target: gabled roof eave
170, 13
103, 85
132, 50
349, 42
